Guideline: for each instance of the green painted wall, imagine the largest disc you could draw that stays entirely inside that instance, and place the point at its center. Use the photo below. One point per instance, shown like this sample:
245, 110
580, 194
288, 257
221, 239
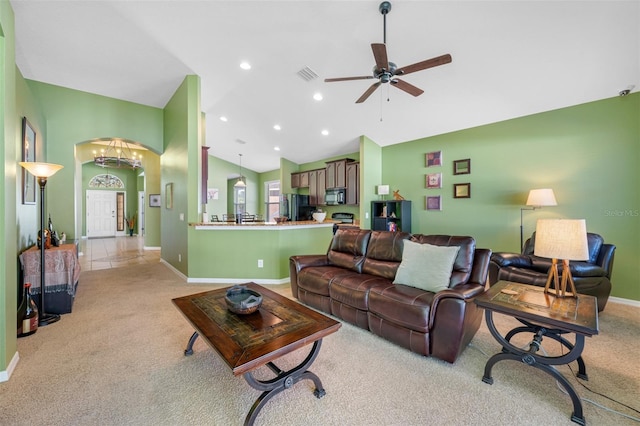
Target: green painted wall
9, 156
588, 154
178, 168
233, 254
74, 117
263, 178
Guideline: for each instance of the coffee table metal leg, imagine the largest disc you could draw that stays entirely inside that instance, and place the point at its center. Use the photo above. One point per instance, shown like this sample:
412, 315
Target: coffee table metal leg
192, 340
284, 380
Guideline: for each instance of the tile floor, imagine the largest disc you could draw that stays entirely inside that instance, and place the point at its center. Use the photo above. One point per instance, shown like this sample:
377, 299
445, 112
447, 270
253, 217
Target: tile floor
105, 253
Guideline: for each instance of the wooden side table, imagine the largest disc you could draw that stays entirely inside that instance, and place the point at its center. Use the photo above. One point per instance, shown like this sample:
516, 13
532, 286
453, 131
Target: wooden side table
544, 315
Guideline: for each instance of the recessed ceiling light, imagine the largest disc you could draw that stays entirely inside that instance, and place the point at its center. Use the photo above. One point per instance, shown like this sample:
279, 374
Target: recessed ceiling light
277, 127
223, 118
317, 96
325, 133
276, 148
245, 65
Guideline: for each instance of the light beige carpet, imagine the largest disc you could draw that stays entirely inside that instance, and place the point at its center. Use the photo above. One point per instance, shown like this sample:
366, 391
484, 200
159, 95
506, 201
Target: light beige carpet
118, 360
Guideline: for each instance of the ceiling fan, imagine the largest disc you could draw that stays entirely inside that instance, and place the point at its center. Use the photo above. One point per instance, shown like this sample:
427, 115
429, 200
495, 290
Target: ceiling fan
387, 72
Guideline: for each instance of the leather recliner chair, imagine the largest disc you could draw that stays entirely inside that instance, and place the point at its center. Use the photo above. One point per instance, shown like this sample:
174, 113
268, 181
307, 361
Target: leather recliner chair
592, 277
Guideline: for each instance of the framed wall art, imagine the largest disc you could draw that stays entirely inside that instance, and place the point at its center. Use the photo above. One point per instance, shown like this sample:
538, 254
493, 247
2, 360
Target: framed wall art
462, 167
434, 180
462, 190
433, 202
28, 155
433, 159
154, 200
169, 195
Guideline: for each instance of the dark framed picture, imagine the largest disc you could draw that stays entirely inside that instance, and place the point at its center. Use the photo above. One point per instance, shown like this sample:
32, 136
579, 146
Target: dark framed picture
154, 200
434, 180
169, 195
433, 202
461, 190
462, 167
433, 159
28, 155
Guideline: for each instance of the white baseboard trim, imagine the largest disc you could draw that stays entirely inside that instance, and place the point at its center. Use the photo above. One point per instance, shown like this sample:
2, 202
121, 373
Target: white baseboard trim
151, 248
629, 302
6, 375
175, 271
237, 281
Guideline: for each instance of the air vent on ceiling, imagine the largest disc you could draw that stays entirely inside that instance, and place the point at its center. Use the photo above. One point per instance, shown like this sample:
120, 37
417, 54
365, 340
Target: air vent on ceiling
307, 74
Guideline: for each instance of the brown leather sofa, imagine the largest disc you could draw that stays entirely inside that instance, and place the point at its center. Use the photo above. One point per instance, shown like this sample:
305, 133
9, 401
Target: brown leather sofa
592, 277
354, 282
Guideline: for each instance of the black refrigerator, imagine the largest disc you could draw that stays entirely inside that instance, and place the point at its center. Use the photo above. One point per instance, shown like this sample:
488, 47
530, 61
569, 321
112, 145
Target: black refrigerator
296, 207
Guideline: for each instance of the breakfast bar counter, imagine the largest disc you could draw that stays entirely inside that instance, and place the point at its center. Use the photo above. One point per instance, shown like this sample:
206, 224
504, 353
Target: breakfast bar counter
230, 253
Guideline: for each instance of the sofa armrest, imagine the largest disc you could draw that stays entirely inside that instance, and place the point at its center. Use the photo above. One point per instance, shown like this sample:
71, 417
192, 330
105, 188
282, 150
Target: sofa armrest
516, 260
298, 263
480, 268
464, 292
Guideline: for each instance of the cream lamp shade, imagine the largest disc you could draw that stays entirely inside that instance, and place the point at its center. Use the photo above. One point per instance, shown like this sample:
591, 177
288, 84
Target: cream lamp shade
562, 239
541, 197
44, 170
383, 189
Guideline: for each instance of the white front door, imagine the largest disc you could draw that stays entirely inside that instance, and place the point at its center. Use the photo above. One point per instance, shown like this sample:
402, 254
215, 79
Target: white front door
101, 214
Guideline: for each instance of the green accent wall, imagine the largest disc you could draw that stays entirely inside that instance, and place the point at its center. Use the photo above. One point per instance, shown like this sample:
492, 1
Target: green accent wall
9, 156
178, 165
588, 154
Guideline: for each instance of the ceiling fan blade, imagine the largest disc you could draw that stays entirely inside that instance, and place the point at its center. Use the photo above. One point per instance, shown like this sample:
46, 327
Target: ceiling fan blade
429, 63
380, 55
368, 93
364, 77
409, 88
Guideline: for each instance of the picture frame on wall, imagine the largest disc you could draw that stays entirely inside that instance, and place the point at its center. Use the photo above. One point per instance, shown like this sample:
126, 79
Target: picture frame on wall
434, 180
28, 155
462, 190
462, 167
433, 202
433, 159
169, 195
154, 200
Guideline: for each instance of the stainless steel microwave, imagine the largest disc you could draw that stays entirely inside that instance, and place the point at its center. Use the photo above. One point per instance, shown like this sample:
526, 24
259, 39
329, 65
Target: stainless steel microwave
334, 197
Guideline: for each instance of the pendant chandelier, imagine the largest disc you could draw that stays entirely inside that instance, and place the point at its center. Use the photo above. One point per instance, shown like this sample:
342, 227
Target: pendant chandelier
117, 155
240, 183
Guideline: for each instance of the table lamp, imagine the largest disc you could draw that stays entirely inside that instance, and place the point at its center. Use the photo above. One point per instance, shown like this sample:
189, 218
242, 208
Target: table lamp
564, 239
42, 171
537, 198
383, 191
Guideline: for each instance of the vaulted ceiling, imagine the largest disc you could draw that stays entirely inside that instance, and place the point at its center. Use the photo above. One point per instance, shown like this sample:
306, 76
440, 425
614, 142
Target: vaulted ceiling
510, 59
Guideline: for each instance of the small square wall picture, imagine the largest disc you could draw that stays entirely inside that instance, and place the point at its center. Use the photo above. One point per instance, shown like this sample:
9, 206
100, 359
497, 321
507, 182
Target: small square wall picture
433, 159
434, 180
433, 202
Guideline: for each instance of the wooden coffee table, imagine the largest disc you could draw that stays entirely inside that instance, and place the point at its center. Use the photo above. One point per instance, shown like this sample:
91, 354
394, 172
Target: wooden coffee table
246, 342
544, 315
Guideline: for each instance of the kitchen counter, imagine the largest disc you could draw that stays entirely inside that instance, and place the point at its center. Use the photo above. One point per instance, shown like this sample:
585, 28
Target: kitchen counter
271, 226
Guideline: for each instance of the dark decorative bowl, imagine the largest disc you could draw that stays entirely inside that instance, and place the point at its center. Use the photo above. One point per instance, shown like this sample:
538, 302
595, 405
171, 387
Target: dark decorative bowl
243, 301
280, 219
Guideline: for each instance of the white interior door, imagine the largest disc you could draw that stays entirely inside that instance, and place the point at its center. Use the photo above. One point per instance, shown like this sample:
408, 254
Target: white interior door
101, 214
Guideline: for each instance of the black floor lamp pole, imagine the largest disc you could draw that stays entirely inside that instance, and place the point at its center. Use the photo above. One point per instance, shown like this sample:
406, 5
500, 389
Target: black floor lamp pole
44, 318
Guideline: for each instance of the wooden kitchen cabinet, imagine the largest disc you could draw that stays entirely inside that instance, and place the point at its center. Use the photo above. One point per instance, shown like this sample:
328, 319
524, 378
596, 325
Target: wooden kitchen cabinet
353, 183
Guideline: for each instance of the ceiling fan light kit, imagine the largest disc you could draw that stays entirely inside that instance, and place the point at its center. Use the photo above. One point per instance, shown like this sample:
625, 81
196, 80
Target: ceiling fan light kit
386, 71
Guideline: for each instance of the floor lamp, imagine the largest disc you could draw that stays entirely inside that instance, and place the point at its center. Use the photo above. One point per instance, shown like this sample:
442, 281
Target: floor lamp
42, 171
537, 198
564, 239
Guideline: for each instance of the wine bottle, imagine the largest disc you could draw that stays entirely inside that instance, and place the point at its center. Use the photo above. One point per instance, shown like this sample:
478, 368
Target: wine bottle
28, 324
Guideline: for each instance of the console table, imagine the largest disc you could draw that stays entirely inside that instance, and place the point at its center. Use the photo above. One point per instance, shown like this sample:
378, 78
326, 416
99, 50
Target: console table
62, 272
543, 315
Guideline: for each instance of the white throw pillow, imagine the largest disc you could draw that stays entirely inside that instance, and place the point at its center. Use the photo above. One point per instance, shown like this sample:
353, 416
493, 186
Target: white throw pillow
426, 266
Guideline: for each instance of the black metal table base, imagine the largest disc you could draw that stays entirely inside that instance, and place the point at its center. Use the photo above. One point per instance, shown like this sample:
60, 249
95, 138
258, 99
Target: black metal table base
541, 362
283, 380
